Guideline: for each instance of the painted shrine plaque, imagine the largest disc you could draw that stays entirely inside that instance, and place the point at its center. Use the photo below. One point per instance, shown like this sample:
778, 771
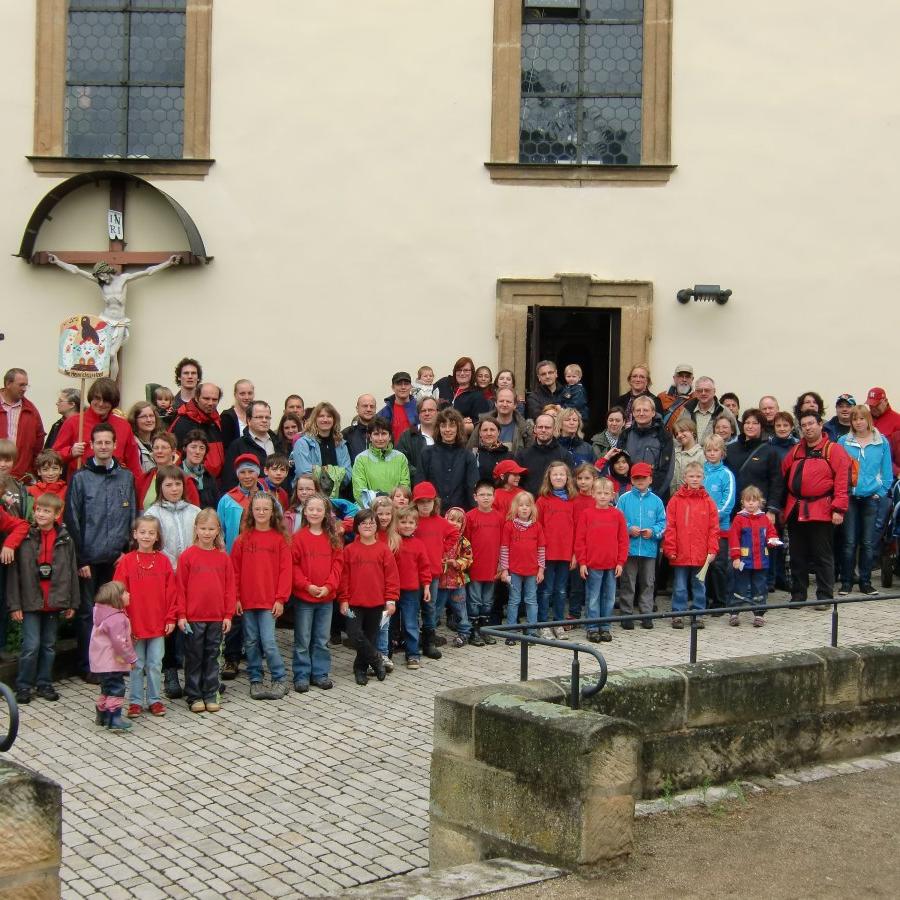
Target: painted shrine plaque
84, 343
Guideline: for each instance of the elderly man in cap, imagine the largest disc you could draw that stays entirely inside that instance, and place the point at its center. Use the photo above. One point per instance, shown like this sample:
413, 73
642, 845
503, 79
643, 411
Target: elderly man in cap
400, 409
675, 397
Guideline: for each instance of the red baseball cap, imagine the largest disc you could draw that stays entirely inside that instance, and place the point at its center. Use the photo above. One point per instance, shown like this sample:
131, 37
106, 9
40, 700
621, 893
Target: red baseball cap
875, 396
246, 461
641, 470
424, 491
508, 467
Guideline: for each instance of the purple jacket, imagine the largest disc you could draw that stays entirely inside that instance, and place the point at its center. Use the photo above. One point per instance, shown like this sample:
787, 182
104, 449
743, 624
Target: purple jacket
111, 648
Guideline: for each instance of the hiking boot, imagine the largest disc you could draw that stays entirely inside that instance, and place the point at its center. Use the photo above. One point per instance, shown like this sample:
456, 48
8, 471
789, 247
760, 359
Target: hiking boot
822, 607
412, 663
459, 641
678, 623
117, 723
628, 626
429, 647
172, 687
388, 664
697, 622
646, 623
510, 642
230, 669
324, 683
734, 619
198, 706
278, 690
361, 678
301, 687
440, 640
605, 636
23, 695
475, 638
47, 692
490, 640
594, 637
258, 691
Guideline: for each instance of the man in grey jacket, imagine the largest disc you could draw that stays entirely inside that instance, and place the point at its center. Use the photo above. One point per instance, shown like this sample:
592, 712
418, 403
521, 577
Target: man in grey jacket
100, 511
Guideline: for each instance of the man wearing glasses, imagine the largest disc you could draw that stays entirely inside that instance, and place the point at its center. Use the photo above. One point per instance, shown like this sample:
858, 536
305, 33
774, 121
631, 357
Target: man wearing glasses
258, 439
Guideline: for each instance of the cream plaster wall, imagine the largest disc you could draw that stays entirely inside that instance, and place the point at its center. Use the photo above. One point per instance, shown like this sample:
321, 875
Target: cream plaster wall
355, 230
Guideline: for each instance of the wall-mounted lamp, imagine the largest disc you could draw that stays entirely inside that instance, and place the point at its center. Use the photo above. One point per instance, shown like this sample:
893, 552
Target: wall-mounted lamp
704, 293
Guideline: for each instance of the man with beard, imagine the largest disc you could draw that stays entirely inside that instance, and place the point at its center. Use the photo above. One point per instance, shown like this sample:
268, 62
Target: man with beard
674, 399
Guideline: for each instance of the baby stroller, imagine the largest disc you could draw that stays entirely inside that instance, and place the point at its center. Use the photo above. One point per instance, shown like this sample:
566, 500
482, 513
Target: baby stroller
890, 536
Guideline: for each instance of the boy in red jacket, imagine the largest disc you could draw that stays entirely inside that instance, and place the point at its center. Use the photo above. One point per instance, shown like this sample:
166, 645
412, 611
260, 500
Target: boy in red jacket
749, 539
691, 540
601, 549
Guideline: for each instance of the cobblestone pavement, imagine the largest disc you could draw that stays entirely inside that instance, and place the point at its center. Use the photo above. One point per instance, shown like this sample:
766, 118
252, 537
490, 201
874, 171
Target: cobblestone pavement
318, 792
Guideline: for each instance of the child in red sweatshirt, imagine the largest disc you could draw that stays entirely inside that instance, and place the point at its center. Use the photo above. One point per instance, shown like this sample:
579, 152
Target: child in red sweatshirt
691, 540
48, 465
601, 548
556, 513
153, 610
262, 566
484, 528
414, 571
522, 559
370, 585
206, 578
317, 551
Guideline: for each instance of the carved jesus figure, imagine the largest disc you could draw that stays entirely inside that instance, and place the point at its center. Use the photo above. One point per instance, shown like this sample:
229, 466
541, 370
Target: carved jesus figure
113, 288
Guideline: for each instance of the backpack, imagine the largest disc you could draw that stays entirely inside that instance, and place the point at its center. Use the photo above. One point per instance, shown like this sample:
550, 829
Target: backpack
825, 453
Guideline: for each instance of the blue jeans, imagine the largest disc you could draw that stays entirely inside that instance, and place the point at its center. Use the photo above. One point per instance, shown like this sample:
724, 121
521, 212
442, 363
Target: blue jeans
522, 588
481, 598
576, 594
751, 588
456, 597
683, 574
600, 592
431, 614
552, 590
259, 641
149, 662
859, 533
312, 627
38, 650
410, 602
384, 637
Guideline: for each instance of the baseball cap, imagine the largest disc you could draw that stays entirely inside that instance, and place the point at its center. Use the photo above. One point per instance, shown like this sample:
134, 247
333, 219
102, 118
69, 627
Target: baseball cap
641, 469
400, 376
508, 467
846, 398
875, 396
424, 491
683, 367
246, 461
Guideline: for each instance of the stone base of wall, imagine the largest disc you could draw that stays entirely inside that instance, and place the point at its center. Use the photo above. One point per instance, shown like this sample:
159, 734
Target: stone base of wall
30, 834
516, 773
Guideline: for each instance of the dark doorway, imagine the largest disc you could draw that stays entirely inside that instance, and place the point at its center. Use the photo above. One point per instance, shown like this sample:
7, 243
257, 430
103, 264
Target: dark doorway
588, 337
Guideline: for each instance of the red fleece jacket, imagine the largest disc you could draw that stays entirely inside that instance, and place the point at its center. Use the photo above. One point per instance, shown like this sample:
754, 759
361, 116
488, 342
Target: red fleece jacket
155, 599
484, 531
206, 579
262, 568
315, 561
370, 575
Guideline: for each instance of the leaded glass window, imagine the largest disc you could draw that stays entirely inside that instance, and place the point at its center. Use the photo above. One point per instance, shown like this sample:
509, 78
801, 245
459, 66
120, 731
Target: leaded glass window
582, 65
125, 78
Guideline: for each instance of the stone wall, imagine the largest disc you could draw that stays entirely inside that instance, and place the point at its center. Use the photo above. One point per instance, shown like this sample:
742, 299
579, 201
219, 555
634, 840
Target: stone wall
30, 834
516, 773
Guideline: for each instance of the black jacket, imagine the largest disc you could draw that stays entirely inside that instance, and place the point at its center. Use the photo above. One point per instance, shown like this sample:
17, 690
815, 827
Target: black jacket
756, 463
411, 444
653, 445
23, 585
540, 397
357, 437
453, 473
244, 444
100, 510
231, 426
536, 458
486, 459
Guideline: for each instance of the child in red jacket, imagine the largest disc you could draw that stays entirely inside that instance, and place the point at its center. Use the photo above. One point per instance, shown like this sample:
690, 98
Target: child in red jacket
749, 539
556, 513
206, 578
150, 581
317, 550
452, 581
414, 571
585, 476
483, 528
370, 585
262, 566
601, 549
522, 559
691, 541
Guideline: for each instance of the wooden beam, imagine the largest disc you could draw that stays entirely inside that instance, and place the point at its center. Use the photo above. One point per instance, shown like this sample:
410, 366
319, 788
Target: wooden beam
115, 257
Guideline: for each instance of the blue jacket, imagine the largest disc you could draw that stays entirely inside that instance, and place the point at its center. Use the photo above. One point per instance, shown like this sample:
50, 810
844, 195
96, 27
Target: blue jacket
719, 482
875, 473
307, 454
100, 511
411, 408
581, 450
574, 396
643, 510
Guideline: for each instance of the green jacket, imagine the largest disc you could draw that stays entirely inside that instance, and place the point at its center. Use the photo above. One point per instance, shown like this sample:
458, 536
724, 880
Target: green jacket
378, 471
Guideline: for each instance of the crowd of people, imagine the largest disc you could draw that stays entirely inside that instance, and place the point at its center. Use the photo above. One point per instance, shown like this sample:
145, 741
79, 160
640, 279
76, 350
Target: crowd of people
177, 537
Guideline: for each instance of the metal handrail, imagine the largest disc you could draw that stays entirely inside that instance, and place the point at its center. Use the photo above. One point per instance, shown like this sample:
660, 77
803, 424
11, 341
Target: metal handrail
517, 633
13, 728
576, 694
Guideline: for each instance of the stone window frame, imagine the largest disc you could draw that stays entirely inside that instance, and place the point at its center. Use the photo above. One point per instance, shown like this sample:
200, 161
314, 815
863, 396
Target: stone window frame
656, 104
48, 156
515, 296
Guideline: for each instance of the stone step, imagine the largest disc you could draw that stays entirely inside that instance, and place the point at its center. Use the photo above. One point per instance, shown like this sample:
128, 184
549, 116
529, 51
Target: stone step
472, 880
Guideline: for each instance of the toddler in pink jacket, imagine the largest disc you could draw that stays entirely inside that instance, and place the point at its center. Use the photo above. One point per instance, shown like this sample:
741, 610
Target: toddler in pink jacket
111, 653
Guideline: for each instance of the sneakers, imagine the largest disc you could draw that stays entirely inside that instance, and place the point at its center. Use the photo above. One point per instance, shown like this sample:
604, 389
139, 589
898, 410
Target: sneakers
698, 622
324, 683
510, 642
646, 623
475, 639
212, 706
594, 637
230, 669
172, 686
198, 706
134, 710
258, 691
47, 692
734, 620
628, 626
868, 590
388, 664
678, 623
412, 663
758, 621
561, 634
301, 687
278, 690
845, 590
157, 709
605, 636
459, 641
23, 695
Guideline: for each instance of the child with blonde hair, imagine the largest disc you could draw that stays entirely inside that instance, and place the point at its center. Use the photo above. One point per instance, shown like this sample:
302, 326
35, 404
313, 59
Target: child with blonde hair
111, 653
556, 512
523, 558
